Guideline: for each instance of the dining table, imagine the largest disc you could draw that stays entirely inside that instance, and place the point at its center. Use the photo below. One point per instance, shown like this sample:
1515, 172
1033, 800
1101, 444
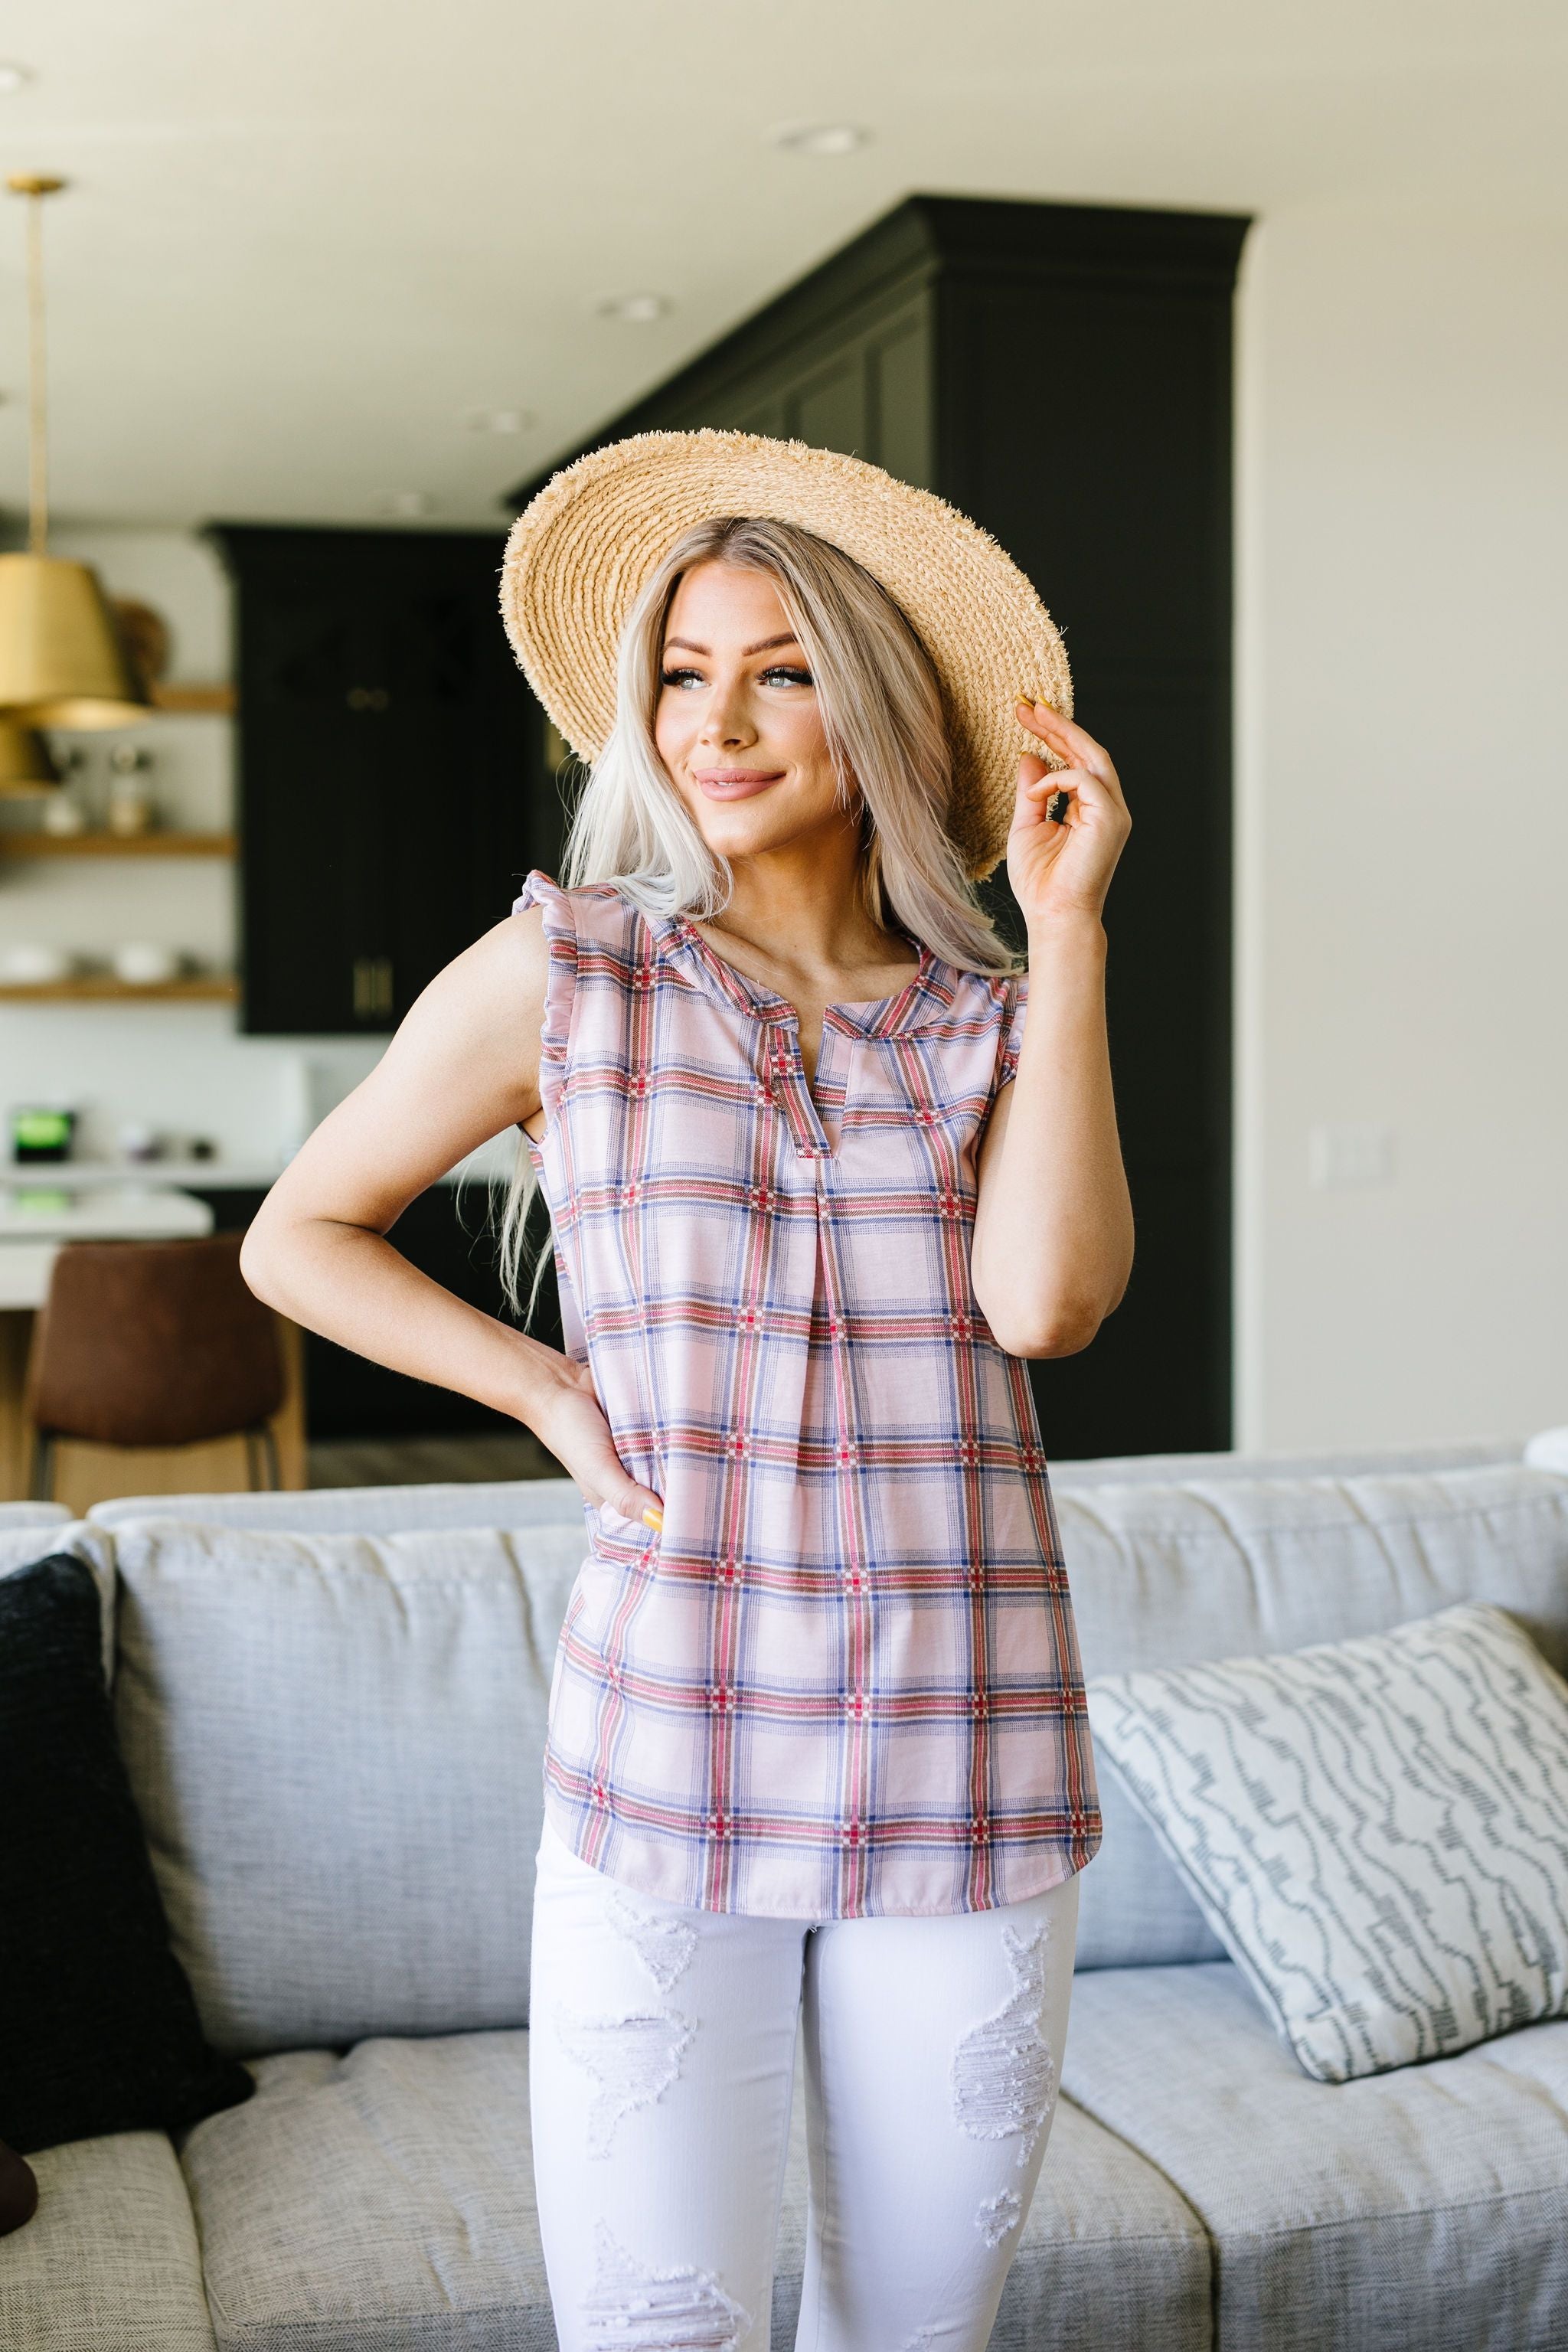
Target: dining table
39, 1216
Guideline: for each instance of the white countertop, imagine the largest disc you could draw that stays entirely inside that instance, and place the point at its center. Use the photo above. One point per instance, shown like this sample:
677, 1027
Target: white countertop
92, 1175
492, 1162
35, 1220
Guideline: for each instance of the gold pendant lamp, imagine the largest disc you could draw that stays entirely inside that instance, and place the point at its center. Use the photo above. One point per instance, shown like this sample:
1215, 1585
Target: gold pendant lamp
61, 661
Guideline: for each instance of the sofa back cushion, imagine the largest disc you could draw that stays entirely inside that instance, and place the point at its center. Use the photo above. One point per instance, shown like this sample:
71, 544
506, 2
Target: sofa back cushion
363, 1510
21, 1518
335, 1740
335, 1745
1348, 1462
1166, 1576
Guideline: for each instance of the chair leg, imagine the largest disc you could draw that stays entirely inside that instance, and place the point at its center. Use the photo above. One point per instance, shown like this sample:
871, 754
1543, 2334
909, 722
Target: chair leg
43, 1478
261, 1453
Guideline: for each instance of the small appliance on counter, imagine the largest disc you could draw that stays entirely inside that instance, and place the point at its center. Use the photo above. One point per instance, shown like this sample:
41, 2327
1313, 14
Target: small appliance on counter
41, 1131
139, 1142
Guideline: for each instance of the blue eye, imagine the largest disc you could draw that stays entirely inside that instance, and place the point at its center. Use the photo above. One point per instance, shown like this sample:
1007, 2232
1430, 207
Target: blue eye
788, 671
679, 677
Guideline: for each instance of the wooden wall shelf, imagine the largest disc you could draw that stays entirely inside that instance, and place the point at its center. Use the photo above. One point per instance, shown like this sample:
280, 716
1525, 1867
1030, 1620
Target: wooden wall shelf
117, 845
94, 988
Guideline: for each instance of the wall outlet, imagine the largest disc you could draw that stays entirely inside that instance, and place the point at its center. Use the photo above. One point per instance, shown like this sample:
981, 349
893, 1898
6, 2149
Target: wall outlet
1349, 1154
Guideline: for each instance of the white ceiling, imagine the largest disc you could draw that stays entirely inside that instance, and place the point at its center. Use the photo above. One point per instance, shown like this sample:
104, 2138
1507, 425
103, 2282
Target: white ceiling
305, 237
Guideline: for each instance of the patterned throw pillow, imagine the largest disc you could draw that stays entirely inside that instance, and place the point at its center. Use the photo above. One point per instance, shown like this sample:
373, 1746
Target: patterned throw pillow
1376, 1829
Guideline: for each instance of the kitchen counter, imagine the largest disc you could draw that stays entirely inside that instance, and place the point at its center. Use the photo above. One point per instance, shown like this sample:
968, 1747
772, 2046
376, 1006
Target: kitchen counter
95, 1175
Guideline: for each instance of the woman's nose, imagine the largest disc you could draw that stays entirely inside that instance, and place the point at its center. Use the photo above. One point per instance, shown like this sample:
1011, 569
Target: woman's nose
726, 719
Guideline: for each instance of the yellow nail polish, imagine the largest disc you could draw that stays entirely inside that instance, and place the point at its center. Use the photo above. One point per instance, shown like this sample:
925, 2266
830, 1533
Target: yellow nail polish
652, 1518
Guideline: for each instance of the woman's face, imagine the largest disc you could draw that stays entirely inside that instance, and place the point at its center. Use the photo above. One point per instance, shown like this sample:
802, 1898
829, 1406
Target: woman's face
737, 724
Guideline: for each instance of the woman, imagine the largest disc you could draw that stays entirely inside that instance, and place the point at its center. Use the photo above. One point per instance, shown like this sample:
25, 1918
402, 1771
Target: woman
817, 1742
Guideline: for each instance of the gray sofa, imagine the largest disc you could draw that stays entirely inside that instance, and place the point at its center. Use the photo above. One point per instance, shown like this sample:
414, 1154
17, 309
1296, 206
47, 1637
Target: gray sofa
332, 1707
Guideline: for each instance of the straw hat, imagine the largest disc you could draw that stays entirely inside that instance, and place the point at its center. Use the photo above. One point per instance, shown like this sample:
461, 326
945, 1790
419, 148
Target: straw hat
582, 549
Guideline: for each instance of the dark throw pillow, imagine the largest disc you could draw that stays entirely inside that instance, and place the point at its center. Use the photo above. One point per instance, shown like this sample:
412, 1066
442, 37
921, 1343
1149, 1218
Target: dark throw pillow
99, 2030
19, 2191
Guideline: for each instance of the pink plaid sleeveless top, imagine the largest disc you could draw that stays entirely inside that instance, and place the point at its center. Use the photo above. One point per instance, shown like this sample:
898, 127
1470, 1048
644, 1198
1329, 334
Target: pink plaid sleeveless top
844, 1680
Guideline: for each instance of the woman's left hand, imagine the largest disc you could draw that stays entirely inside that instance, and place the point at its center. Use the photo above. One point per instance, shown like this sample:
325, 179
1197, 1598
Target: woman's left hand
1065, 868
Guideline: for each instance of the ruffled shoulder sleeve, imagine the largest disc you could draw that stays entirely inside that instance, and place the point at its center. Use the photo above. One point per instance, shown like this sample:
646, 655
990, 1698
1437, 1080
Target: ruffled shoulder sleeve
1015, 1003
561, 985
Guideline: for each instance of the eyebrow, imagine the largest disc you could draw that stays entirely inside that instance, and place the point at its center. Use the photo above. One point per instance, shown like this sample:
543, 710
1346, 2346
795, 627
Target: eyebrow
764, 646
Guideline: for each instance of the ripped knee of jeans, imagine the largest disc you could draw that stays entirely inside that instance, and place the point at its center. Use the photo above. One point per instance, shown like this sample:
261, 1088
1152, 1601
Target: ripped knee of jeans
634, 2307
630, 2059
1004, 2075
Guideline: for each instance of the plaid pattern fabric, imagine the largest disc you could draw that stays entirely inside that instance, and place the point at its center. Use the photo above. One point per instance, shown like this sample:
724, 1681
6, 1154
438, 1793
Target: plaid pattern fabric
844, 1681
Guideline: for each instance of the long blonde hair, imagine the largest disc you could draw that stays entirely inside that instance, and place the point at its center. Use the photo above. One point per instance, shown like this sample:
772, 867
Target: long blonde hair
887, 736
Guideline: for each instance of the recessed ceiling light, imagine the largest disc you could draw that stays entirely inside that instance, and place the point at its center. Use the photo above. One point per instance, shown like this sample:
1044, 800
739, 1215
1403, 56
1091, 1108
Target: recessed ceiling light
637, 309
408, 503
823, 139
499, 420
11, 76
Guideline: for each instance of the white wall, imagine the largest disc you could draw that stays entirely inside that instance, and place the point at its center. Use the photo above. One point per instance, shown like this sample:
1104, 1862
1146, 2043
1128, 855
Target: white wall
1403, 951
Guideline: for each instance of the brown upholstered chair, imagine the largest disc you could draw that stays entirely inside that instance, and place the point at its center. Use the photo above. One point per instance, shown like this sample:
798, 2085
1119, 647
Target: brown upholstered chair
152, 1343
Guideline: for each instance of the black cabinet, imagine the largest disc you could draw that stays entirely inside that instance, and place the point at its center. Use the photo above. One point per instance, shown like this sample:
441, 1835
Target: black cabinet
392, 779
1063, 375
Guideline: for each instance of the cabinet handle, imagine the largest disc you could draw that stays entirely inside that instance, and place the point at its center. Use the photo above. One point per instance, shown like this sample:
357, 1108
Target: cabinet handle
371, 986
368, 698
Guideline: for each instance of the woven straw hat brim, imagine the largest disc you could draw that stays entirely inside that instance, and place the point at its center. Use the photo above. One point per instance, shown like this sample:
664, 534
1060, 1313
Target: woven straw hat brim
582, 550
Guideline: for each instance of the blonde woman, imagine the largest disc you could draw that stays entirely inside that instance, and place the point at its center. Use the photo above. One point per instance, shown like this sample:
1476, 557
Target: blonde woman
817, 1754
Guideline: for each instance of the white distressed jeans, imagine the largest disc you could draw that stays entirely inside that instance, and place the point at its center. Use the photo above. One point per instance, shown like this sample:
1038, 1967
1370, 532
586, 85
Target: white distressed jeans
662, 2062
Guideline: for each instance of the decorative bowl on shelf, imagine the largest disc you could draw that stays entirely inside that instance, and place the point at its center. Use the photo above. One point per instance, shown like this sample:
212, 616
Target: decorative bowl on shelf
143, 963
32, 963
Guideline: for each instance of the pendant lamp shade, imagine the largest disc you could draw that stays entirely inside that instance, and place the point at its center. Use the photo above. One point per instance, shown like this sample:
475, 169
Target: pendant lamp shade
24, 763
61, 661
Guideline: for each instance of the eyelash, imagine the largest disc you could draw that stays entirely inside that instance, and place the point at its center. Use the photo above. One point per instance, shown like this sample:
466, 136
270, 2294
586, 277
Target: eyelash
780, 669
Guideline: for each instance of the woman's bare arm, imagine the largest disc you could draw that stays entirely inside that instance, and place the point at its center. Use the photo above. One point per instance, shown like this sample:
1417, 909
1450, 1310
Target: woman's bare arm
1052, 1246
462, 1068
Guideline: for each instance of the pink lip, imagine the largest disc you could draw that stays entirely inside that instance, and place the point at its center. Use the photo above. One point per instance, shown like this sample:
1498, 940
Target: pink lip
736, 783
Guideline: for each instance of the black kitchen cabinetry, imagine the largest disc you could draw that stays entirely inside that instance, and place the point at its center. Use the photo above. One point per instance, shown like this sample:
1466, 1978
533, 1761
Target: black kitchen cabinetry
1063, 375
391, 780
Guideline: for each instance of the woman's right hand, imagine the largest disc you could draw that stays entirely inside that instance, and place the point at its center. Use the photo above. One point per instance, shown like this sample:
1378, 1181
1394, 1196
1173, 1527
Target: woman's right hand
574, 1430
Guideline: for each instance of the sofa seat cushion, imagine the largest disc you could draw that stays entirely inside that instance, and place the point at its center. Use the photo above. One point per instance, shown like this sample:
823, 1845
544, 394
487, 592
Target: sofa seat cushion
109, 2261
1420, 2211
384, 2198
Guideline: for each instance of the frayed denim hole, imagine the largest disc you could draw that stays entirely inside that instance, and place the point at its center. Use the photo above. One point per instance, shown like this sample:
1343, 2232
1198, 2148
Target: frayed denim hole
633, 2309
1004, 2075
